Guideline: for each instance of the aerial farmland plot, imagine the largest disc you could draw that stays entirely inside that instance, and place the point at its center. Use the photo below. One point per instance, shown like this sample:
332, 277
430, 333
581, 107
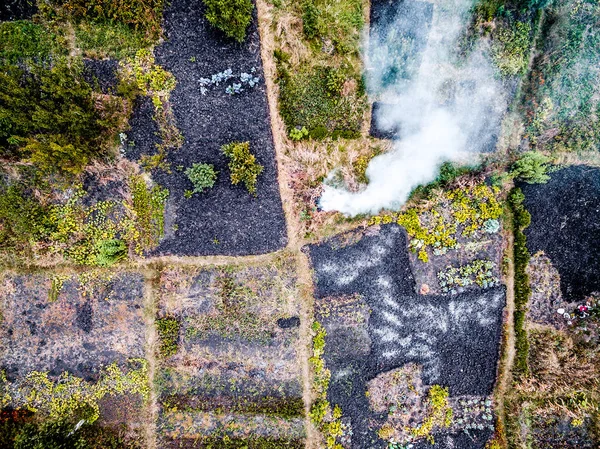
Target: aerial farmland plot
271, 224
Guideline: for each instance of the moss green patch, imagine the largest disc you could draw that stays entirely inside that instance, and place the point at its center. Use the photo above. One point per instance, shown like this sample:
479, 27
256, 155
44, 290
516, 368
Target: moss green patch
108, 39
307, 100
521, 220
168, 332
23, 39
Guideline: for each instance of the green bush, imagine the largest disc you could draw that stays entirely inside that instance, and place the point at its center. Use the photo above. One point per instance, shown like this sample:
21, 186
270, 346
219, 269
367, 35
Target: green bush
510, 50
48, 117
168, 332
114, 39
22, 218
230, 16
110, 252
310, 19
202, 176
532, 167
242, 165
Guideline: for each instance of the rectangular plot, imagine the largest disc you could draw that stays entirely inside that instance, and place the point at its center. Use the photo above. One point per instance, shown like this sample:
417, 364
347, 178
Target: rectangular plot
236, 354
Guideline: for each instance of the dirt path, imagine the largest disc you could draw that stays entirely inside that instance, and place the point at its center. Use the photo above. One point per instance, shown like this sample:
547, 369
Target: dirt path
508, 339
151, 338
292, 220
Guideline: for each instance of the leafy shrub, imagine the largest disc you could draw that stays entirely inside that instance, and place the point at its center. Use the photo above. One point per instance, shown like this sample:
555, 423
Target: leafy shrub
202, 176
149, 207
531, 168
242, 165
298, 133
116, 40
168, 332
310, 19
49, 435
230, 16
110, 251
49, 117
318, 133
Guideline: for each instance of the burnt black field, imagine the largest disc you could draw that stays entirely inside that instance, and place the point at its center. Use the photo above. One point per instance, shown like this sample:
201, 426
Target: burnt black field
17, 9
565, 224
226, 219
455, 339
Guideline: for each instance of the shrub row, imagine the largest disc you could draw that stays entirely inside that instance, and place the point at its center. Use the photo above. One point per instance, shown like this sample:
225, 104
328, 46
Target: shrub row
522, 290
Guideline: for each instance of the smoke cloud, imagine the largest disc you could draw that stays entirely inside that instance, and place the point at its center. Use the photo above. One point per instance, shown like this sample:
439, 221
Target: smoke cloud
443, 106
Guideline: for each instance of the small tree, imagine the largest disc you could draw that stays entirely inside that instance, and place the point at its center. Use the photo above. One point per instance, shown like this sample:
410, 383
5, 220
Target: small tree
230, 16
532, 168
242, 165
203, 176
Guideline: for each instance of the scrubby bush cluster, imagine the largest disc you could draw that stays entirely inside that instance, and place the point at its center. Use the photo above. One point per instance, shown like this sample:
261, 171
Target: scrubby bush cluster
232, 17
531, 167
144, 16
326, 418
50, 117
337, 22
243, 166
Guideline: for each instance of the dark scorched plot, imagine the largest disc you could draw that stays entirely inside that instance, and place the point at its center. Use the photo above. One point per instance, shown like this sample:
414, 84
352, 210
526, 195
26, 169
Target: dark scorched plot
76, 333
225, 219
455, 339
565, 224
17, 9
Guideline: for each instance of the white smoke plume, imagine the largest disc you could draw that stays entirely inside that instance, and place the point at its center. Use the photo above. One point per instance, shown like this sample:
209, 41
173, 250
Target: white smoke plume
443, 106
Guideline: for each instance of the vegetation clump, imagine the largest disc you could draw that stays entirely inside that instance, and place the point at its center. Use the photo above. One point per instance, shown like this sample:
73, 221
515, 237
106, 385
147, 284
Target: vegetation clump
521, 220
439, 414
243, 166
478, 272
69, 397
232, 17
50, 118
458, 213
314, 99
532, 168
168, 332
202, 176
142, 16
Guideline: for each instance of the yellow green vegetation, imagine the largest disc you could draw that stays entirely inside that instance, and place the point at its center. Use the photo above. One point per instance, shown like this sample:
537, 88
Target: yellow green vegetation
452, 215
70, 397
439, 414
479, 272
243, 167
98, 234
168, 332
327, 420
154, 81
